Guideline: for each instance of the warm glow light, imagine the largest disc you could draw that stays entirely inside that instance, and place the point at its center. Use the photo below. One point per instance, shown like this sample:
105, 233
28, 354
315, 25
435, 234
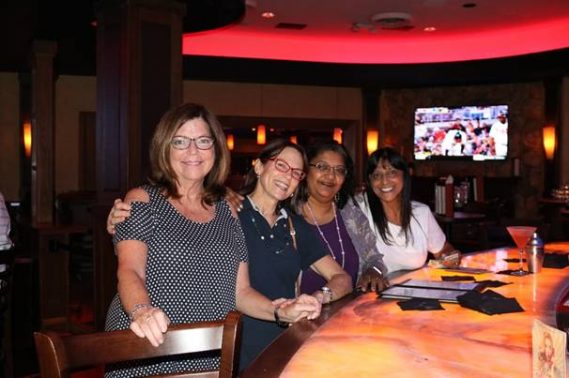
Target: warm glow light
549, 141
293, 139
337, 135
372, 141
27, 138
261, 134
496, 40
230, 142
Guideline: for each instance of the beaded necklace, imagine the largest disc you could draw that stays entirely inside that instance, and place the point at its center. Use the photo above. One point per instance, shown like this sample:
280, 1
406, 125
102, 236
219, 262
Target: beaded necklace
324, 237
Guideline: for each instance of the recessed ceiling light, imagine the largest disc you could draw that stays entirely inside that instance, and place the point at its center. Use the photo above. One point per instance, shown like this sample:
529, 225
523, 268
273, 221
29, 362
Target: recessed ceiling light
469, 5
268, 15
430, 29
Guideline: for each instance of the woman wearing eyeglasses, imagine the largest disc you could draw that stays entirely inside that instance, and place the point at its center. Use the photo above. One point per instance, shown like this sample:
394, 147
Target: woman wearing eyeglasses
280, 243
326, 201
182, 255
405, 230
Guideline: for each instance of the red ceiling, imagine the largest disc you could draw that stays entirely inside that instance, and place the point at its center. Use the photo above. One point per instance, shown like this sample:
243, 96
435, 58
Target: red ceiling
235, 41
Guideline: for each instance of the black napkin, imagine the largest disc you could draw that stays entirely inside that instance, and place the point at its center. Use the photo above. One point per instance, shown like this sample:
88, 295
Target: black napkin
509, 272
458, 278
489, 302
490, 283
421, 304
555, 260
514, 260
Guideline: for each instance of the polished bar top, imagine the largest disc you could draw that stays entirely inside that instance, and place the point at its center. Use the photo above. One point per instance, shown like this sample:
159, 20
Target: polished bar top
367, 337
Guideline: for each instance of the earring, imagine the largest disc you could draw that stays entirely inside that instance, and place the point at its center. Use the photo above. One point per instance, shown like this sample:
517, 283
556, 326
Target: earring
337, 197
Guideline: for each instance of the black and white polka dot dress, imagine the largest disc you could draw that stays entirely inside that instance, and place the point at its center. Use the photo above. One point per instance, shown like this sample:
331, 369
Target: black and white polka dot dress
191, 271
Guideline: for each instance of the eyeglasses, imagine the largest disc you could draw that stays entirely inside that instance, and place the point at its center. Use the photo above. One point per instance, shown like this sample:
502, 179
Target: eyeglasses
284, 167
183, 142
388, 175
322, 167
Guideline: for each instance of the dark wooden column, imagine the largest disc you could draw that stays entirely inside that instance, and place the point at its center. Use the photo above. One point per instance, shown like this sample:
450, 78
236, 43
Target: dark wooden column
553, 92
563, 141
370, 111
139, 76
42, 90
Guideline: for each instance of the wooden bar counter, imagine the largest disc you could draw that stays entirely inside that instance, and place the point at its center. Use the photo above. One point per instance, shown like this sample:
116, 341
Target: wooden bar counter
369, 337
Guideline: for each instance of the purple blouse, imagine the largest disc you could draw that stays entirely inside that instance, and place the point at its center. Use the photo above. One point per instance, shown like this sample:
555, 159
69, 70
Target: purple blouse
311, 281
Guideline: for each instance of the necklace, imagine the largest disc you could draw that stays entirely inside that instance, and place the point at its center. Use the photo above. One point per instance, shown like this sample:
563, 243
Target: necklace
260, 234
324, 237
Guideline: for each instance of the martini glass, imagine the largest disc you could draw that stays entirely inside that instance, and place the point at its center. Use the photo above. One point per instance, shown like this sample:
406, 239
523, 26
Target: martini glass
521, 236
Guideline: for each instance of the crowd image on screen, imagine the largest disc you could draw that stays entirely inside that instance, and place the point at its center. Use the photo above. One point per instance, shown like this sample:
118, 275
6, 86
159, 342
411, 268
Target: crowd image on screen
479, 132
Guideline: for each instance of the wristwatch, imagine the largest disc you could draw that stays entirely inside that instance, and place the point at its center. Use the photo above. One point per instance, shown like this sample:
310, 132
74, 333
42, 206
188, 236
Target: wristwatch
328, 295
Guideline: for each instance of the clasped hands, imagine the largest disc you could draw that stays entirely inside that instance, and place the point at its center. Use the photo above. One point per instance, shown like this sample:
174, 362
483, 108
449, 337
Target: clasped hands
447, 259
295, 309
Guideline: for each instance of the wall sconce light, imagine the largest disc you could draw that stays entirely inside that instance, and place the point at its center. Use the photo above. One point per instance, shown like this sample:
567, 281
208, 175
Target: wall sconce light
293, 139
372, 141
230, 142
261, 134
549, 141
27, 130
337, 136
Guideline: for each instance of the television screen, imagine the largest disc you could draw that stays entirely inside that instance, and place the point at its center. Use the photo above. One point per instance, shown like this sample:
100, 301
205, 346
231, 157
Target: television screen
466, 132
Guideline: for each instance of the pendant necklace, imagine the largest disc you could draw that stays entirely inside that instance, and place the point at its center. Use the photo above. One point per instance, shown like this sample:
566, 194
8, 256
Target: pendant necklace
324, 237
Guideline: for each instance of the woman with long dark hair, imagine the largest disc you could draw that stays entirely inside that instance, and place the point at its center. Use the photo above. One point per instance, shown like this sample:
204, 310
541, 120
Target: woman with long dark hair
406, 230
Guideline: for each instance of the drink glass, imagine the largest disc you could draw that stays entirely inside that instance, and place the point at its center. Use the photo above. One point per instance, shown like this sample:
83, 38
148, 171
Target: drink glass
521, 236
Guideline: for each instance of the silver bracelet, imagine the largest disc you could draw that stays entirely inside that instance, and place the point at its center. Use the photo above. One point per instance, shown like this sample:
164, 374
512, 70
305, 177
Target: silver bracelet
136, 308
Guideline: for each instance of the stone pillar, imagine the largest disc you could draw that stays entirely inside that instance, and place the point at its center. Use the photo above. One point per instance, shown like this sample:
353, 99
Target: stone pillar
139, 77
42, 116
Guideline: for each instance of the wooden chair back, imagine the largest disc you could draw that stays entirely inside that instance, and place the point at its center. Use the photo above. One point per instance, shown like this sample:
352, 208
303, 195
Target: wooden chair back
60, 355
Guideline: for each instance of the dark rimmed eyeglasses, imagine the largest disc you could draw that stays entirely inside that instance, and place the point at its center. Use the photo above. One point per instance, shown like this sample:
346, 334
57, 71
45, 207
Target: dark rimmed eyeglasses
183, 142
284, 167
322, 167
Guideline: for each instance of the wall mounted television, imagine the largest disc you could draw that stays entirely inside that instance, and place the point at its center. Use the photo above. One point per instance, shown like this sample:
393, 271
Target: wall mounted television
475, 133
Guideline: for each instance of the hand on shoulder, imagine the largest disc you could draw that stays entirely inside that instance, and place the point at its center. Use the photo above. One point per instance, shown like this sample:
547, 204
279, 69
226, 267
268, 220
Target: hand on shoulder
121, 209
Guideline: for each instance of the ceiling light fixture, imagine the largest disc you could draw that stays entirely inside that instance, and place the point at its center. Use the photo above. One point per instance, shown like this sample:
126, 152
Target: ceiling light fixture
268, 15
358, 26
430, 29
392, 20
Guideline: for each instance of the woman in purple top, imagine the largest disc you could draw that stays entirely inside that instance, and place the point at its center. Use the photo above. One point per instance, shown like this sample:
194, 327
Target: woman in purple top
326, 201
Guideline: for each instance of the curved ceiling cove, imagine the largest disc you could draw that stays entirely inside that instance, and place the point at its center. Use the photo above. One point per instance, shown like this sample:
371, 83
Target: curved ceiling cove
434, 31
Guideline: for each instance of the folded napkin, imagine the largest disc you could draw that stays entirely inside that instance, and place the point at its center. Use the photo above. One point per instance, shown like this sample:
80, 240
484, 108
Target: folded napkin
421, 304
514, 260
489, 302
509, 272
490, 283
458, 278
555, 260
